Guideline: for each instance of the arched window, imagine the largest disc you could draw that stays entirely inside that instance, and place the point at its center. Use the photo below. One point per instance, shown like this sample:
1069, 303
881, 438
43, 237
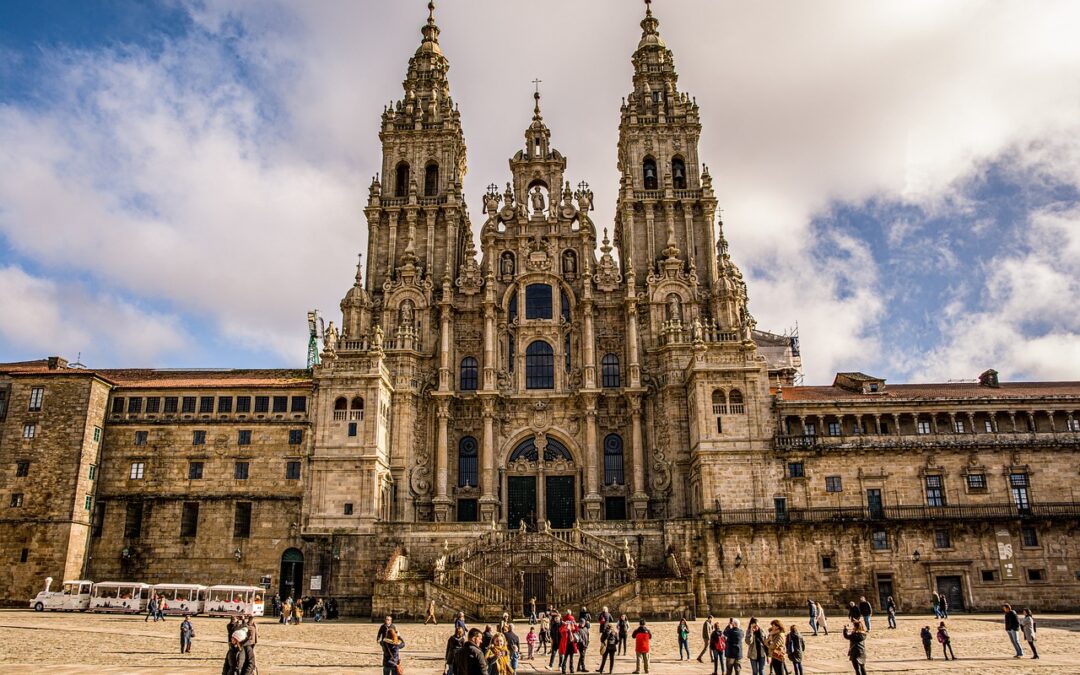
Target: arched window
609, 369
511, 312
538, 301
736, 400
719, 402
539, 366
341, 403
613, 460
678, 174
652, 182
566, 351
401, 180
553, 451
431, 179
466, 463
357, 403
469, 374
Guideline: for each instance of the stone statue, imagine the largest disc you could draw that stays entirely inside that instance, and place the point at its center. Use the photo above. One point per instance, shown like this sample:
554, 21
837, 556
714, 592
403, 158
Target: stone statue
569, 262
538, 202
506, 265
377, 338
628, 559
406, 314
674, 309
330, 339
695, 330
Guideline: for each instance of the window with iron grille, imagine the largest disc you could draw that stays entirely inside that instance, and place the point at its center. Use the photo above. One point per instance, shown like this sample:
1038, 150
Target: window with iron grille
36, 396
468, 380
613, 460
262, 404
224, 404
292, 470
299, 404
189, 520
539, 366
243, 437
609, 368
206, 404
935, 491
467, 462
296, 436
170, 404
198, 437
467, 511
133, 520
134, 405
976, 481
243, 404
242, 521
538, 301
281, 404
942, 539
833, 484
153, 404
241, 471
195, 470
879, 539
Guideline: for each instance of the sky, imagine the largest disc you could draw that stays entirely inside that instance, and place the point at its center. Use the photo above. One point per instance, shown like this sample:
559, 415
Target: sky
181, 181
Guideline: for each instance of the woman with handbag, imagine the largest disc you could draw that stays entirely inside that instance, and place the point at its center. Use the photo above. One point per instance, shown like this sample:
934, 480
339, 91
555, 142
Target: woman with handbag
392, 645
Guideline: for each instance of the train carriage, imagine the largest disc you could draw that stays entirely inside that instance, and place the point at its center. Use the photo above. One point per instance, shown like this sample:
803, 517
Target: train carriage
122, 597
182, 598
233, 600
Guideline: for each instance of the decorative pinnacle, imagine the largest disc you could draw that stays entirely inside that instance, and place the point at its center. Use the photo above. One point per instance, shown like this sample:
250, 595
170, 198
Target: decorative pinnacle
359, 269
536, 108
431, 13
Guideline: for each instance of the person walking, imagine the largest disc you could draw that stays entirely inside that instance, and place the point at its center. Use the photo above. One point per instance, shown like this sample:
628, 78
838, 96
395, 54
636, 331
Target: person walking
532, 610
240, 659
530, 642
297, 613
795, 648
944, 606
1028, 625
776, 646
935, 605
555, 631
319, 610
430, 617
706, 635
755, 647
162, 605
927, 638
453, 644
567, 642
584, 638
642, 636
253, 631
392, 645
946, 642
387, 625
545, 627
498, 656
151, 609
865, 612
733, 652
331, 609
682, 633
187, 631
1012, 628
470, 660
717, 645
856, 647
822, 620
813, 615
611, 641
513, 643
853, 612
624, 632
890, 610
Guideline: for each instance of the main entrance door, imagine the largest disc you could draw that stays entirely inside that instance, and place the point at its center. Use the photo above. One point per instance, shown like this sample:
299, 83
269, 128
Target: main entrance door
953, 590
292, 574
521, 502
559, 496
884, 590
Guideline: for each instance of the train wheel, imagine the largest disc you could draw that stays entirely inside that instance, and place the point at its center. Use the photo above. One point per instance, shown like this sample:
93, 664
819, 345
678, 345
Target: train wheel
39, 607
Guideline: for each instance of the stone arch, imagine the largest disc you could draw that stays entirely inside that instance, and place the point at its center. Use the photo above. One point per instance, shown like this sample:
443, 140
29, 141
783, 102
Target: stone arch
560, 436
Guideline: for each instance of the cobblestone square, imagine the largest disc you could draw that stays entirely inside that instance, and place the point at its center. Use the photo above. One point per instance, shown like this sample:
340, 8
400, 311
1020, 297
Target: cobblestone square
62, 643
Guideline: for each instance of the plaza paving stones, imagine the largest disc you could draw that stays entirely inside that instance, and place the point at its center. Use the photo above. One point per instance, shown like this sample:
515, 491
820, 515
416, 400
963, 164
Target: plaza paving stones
91, 643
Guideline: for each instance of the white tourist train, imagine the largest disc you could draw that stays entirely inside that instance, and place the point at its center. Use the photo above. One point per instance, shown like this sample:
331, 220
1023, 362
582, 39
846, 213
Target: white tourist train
182, 598
74, 596
121, 597
231, 600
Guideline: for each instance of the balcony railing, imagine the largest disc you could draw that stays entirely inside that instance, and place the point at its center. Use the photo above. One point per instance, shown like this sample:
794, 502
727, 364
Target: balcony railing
900, 513
901, 441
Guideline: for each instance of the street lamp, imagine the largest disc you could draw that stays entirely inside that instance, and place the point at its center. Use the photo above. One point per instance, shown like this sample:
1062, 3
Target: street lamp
738, 560
238, 554
916, 556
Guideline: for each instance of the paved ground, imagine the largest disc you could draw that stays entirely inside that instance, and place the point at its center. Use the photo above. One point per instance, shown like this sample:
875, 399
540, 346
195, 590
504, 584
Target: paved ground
92, 643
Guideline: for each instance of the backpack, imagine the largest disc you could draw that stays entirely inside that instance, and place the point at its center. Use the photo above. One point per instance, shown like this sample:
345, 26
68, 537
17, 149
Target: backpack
719, 644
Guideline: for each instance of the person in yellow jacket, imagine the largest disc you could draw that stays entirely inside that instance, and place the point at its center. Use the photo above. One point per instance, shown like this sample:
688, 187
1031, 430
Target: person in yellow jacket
498, 656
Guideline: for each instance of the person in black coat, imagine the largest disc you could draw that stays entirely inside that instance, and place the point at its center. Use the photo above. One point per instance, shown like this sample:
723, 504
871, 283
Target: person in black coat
866, 611
453, 644
733, 652
856, 647
388, 623
556, 638
240, 659
391, 649
610, 641
470, 660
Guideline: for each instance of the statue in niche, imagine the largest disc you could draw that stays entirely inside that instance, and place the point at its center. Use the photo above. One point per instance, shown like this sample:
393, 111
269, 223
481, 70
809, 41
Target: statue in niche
506, 264
406, 314
674, 309
569, 262
538, 202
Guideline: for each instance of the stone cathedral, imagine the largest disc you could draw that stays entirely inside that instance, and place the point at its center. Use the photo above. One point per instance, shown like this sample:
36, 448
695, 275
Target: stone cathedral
537, 416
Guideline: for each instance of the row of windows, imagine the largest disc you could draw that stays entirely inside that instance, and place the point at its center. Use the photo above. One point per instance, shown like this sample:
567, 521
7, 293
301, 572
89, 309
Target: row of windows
935, 485
922, 427
22, 469
189, 520
243, 437
652, 178
241, 470
206, 404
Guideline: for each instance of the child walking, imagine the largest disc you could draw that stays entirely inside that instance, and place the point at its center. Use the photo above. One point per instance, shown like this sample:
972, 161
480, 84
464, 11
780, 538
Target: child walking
530, 640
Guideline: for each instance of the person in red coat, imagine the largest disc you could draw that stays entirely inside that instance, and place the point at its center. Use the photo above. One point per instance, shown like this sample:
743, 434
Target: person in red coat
568, 641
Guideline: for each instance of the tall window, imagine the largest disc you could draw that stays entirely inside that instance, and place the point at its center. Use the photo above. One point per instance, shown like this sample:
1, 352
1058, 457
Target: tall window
467, 463
678, 173
189, 519
134, 405
281, 404
1018, 485
431, 179
935, 491
206, 404
538, 301
613, 460
648, 170
242, 520
539, 366
566, 352
401, 180
240, 471
735, 398
187, 404
609, 369
511, 310
292, 470
469, 374
224, 404
36, 395
564, 301
262, 404
138, 470
171, 404
133, 520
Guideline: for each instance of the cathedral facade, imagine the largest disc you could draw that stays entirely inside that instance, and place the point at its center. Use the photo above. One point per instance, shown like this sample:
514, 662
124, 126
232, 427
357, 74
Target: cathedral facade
537, 417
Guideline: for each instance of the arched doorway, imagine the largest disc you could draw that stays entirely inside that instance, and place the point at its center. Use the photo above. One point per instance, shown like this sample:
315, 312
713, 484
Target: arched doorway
292, 573
541, 483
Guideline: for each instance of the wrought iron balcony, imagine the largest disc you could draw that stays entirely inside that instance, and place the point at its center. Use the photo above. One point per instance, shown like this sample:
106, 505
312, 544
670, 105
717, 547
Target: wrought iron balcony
901, 513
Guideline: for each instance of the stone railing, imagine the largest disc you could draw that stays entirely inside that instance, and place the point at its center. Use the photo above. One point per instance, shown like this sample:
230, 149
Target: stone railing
849, 514
916, 441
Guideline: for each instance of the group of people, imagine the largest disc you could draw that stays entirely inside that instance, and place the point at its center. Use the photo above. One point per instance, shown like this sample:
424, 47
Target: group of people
155, 608
293, 611
243, 635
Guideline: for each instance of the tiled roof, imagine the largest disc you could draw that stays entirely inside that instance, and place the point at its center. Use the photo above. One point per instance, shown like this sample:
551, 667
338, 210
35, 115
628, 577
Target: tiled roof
146, 378
946, 390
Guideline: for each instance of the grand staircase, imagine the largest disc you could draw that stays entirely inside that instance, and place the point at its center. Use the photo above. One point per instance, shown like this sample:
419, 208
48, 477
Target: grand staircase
501, 569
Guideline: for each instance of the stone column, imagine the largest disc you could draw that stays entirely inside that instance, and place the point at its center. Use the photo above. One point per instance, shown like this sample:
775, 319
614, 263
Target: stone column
488, 501
541, 482
445, 379
640, 498
593, 500
632, 337
442, 501
588, 342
